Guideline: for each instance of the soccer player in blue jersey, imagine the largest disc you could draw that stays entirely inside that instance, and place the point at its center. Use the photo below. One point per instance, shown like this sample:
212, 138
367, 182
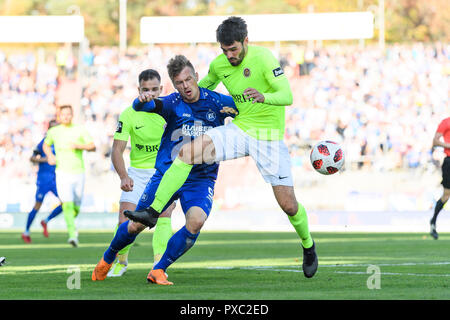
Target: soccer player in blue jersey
45, 182
189, 113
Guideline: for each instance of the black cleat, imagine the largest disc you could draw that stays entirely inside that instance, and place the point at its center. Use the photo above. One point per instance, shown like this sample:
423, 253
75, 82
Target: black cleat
433, 232
310, 261
148, 217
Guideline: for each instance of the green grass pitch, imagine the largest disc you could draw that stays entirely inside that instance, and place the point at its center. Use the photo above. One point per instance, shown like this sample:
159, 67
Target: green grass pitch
235, 266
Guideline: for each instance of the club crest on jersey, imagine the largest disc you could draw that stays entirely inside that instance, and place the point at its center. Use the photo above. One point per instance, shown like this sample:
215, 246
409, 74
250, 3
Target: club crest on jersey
247, 72
211, 115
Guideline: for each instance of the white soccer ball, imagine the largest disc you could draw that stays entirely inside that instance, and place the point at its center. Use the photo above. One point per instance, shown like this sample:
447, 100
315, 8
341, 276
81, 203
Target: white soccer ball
327, 157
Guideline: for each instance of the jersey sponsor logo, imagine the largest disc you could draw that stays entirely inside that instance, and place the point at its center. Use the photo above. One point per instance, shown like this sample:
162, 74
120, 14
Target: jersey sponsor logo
247, 72
188, 115
226, 75
211, 115
195, 130
277, 72
240, 98
148, 148
119, 127
138, 127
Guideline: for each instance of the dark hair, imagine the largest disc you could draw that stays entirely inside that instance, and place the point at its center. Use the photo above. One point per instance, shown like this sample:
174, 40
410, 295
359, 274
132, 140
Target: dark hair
177, 64
148, 75
231, 30
66, 106
52, 123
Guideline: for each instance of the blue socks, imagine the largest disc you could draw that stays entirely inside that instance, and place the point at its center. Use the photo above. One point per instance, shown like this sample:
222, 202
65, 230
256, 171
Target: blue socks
30, 219
120, 241
178, 244
54, 213
33, 213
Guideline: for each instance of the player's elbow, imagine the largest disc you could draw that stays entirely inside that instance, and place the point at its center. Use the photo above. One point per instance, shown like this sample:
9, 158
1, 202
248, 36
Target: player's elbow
289, 98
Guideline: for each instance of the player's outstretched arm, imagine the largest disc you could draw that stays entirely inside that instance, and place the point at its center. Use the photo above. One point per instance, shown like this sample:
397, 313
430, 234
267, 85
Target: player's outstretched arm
36, 158
87, 147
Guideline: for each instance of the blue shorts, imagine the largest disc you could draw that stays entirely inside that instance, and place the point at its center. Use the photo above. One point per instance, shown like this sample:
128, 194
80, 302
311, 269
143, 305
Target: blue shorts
43, 186
193, 193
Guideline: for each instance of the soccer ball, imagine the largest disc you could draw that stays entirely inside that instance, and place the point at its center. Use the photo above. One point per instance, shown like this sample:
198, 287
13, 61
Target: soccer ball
327, 157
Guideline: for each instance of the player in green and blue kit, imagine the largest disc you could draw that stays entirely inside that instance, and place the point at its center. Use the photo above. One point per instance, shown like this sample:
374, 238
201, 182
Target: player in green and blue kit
144, 130
70, 141
189, 113
261, 91
45, 182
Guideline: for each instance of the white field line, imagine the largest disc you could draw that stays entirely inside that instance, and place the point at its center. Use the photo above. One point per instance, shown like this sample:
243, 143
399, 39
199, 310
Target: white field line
273, 268
397, 274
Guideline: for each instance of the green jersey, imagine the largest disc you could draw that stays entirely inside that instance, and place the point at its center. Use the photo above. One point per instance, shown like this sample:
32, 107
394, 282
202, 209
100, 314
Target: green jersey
62, 137
259, 70
145, 130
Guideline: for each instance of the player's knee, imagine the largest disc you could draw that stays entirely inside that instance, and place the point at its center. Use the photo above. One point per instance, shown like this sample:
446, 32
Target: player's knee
194, 225
185, 154
290, 208
135, 227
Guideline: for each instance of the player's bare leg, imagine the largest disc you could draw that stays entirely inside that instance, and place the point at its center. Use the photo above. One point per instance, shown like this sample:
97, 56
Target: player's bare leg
285, 196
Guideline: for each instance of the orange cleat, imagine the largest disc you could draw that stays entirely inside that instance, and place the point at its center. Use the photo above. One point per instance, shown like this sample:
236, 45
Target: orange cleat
101, 270
44, 225
158, 276
26, 238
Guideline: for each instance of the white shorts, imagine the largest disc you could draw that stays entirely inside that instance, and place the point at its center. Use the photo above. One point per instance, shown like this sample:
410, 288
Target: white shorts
140, 179
70, 187
271, 156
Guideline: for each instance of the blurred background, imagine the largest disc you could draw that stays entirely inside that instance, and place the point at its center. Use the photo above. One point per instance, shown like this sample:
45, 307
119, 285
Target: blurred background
381, 97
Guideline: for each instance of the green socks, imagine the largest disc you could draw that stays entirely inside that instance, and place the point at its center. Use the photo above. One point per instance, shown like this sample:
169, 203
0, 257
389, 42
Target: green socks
300, 224
69, 215
161, 236
77, 210
172, 180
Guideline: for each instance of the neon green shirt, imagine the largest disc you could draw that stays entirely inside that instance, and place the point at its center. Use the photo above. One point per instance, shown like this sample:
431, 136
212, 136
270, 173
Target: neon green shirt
145, 130
68, 159
259, 70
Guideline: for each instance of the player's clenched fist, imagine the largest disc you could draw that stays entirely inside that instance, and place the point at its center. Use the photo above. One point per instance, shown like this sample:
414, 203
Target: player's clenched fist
145, 97
126, 184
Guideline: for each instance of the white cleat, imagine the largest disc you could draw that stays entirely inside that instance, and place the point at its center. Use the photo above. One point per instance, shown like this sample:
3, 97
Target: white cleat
117, 270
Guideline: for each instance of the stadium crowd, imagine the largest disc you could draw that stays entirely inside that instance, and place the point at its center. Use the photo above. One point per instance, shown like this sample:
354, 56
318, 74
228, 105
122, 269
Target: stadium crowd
384, 109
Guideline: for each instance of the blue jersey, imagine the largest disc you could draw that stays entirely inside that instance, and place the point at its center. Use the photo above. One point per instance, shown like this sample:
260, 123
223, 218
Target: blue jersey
185, 122
45, 171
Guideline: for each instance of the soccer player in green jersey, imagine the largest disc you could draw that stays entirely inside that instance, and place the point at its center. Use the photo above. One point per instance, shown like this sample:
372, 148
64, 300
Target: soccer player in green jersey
70, 141
144, 130
254, 78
